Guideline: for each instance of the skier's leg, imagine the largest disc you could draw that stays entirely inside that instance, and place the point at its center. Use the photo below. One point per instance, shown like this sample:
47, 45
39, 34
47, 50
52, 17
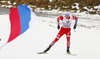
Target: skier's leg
68, 34
68, 41
68, 45
56, 39
53, 42
61, 32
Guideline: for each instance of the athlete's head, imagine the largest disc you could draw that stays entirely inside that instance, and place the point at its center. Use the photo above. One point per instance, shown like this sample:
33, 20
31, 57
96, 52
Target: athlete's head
67, 12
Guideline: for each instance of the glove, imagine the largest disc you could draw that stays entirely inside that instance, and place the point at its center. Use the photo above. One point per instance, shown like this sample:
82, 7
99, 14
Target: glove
74, 26
58, 27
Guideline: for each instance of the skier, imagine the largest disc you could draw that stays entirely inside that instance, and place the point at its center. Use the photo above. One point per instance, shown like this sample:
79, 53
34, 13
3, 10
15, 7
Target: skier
65, 29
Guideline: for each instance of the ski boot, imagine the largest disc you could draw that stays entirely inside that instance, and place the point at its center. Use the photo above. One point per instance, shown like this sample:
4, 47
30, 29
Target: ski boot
68, 51
44, 52
47, 48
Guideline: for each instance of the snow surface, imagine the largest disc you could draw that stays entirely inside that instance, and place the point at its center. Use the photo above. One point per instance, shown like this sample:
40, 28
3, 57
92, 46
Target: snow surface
84, 42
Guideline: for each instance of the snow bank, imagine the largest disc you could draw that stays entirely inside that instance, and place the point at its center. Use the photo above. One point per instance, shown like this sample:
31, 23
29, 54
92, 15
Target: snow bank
84, 42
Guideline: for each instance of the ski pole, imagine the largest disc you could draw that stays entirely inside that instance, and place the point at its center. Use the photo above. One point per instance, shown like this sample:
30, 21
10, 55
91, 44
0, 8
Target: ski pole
3, 45
74, 30
52, 26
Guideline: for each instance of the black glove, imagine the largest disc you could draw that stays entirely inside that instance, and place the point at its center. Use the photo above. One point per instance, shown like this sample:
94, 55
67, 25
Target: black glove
58, 27
74, 26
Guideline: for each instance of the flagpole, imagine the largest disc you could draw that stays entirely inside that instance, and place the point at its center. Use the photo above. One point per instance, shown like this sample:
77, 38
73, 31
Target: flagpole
3, 45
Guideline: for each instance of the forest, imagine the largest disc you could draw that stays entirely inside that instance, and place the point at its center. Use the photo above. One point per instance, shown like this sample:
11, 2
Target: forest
55, 4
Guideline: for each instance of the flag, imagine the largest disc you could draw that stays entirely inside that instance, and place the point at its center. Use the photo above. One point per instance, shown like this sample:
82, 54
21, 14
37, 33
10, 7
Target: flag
21, 19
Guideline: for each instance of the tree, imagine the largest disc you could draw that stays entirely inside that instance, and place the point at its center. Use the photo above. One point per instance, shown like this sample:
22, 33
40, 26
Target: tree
42, 3
53, 4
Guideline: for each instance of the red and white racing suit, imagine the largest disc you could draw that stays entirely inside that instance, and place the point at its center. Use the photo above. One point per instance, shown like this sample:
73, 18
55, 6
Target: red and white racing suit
65, 29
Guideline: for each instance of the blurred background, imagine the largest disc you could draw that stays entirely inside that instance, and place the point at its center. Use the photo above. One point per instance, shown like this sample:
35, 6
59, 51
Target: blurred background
87, 6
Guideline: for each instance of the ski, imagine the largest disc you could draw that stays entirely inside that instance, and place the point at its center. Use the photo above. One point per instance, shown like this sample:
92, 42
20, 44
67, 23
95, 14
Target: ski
42, 53
46, 53
72, 54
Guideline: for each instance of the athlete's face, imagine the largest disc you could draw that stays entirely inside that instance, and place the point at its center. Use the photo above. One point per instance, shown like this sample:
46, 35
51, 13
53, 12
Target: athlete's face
67, 16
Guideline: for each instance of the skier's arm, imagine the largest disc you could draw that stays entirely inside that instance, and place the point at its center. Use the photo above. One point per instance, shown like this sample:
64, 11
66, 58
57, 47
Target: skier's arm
58, 21
75, 18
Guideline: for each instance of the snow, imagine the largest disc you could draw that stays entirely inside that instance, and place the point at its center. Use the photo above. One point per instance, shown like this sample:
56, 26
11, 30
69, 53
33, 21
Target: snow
14, 3
2, 6
80, 15
3, 1
84, 42
77, 6
9, 2
97, 7
6, 6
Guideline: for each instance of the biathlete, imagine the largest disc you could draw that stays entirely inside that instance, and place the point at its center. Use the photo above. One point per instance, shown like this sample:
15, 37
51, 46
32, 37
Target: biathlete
65, 29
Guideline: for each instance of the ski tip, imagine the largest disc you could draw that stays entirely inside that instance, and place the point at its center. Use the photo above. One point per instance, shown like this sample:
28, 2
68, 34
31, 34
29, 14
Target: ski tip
42, 53
72, 54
